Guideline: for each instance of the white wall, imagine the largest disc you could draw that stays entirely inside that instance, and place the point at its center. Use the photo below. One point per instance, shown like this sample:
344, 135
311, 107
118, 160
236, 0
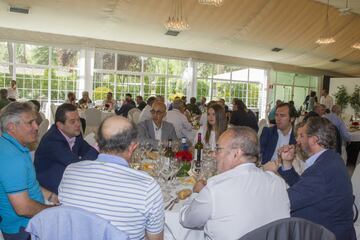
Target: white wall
349, 84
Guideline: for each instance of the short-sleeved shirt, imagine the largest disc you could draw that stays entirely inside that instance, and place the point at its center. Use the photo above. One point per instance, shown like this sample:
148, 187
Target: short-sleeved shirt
130, 199
17, 175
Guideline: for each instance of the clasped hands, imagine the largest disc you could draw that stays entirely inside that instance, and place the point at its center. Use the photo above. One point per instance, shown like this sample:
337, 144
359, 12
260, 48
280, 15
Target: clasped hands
286, 155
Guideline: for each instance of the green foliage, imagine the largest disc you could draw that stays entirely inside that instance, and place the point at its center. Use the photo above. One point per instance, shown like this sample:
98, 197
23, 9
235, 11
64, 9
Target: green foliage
341, 97
100, 93
355, 99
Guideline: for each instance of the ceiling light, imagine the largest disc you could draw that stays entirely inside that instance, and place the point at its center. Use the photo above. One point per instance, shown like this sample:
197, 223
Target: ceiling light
176, 22
356, 46
216, 3
326, 37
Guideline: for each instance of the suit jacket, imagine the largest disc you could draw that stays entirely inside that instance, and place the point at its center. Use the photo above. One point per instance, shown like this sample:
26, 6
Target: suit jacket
242, 118
268, 142
53, 155
323, 194
147, 133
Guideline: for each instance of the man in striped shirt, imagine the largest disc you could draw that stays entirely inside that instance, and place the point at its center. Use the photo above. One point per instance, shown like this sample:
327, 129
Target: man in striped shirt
130, 199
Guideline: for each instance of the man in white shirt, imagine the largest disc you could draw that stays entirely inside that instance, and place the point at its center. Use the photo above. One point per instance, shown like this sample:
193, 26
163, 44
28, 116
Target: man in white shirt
177, 118
242, 197
326, 99
12, 91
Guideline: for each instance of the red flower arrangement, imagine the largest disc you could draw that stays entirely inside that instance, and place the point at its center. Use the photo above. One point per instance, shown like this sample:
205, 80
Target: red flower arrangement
355, 123
185, 156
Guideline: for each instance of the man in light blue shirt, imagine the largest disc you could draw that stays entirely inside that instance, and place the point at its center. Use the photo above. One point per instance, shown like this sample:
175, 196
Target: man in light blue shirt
20, 194
334, 118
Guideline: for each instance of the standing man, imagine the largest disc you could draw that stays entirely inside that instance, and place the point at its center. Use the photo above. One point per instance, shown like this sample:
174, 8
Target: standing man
131, 200
20, 194
13, 94
233, 203
327, 100
272, 138
62, 145
156, 130
323, 193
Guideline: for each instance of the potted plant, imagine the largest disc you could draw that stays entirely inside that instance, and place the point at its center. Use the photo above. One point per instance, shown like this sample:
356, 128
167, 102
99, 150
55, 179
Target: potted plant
355, 100
341, 97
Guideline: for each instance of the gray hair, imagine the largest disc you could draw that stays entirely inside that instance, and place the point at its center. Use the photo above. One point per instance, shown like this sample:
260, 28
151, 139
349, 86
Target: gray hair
177, 104
323, 129
11, 113
246, 140
118, 142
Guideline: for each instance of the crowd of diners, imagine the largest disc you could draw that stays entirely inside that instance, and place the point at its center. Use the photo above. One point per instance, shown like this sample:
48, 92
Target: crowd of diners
285, 171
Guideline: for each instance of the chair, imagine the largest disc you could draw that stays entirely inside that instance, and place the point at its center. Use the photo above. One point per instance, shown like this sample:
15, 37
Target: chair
290, 229
134, 115
58, 223
43, 127
93, 120
53, 108
355, 180
262, 124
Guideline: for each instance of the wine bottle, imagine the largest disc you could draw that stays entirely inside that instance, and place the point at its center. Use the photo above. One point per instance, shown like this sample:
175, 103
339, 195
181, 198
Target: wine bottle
199, 146
168, 150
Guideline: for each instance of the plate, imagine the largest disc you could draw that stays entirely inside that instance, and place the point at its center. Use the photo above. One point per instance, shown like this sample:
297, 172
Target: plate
187, 180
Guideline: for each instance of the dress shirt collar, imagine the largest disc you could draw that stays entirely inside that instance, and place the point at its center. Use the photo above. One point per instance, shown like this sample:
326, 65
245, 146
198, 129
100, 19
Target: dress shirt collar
311, 160
280, 133
71, 141
156, 128
15, 142
103, 157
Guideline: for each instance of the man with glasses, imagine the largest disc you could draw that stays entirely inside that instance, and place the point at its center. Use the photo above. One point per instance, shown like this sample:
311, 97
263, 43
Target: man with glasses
156, 130
20, 193
232, 203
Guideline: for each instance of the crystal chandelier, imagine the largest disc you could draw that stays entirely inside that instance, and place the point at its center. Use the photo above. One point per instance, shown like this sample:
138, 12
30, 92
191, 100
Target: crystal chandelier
356, 46
326, 37
176, 22
215, 3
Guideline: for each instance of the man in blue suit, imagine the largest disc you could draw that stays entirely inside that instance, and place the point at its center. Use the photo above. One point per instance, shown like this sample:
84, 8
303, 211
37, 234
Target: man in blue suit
323, 193
62, 145
272, 138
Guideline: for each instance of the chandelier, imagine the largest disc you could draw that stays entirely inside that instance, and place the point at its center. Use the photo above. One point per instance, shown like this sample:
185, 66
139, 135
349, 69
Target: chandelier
176, 22
326, 37
215, 3
356, 46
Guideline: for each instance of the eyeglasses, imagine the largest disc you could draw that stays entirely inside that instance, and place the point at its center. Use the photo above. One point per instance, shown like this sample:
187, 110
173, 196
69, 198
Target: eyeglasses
152, 111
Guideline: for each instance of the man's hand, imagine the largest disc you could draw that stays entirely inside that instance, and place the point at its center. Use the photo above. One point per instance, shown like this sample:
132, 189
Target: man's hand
200, 184
286, 155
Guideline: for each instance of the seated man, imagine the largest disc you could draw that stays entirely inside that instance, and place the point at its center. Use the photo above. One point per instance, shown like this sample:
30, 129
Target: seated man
129, 199
242, 116
20, 194
140, 103
62, 145
156, 130
323, 193
233, 203
127, 106
145, 113
272, 138
3, 98
177, 118
85, 100
193, 107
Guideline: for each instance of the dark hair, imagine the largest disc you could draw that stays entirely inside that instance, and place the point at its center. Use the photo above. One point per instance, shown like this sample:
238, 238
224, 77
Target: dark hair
36, 104
3, 93
70, 94
128, 95
323, 129
139, 97
150, 100
292, 110
192, 100
312, 94
62, 110
118, 142
220, 122
239, 104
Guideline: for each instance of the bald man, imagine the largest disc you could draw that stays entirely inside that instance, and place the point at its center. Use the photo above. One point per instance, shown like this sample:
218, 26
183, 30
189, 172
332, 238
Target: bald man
131, 200
156, 130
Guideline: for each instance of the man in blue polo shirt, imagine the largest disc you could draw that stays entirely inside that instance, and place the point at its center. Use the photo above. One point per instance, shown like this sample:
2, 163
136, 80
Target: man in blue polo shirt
20, 194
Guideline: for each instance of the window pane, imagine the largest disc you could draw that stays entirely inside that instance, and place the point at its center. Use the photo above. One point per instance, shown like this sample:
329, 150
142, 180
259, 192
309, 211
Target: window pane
5, 77
4, 52
240, 75
284, 78
65, 57
127, 84
128, 63
32, 83
154, 85
176, 87
103, 83
155, 65
222, 72
104, 60
301, 80
205, 70
203, 88
176, 67
32, 54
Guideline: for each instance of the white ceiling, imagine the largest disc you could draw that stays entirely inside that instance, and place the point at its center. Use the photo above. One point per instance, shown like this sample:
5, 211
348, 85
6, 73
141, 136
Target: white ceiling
245, 29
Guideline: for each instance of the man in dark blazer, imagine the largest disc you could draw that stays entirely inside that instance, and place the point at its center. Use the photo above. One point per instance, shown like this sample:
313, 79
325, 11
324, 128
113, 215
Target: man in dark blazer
323, 193
155, 129
62, 145
271, 140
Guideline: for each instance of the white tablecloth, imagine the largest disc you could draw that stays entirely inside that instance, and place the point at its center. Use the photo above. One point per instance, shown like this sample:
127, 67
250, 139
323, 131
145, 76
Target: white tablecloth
173, 229
104, 114
355, 136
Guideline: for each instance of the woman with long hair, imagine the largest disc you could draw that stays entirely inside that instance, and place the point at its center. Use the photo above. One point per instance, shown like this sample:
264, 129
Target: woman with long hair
215, 126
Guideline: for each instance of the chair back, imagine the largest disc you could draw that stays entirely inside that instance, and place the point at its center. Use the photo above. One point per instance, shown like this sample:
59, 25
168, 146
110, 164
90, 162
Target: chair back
134, 115
290, 229
90, 139
262, 124
53, 108
93, 119
58, 223
43, 127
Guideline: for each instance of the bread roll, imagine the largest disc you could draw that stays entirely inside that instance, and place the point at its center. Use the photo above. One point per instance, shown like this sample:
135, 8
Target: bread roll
183, 194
